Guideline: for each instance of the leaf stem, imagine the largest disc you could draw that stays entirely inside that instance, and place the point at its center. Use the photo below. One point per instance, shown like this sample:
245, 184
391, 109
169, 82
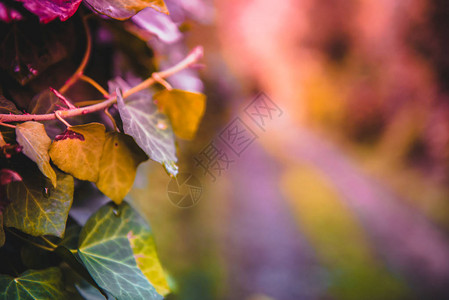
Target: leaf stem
54, 246
58, 115
189, 60
95, 85
162, 81
106, 111
29, 241
79, 72
7, 125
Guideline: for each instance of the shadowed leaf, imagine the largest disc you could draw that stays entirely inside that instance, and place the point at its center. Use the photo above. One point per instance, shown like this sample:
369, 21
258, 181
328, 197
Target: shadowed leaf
184, 109
118, 165
35, 142
39, 210
124, 9
2, 232
33, 284
80, 156
45, 102
8, 107
150, 129
28, 48
106, 252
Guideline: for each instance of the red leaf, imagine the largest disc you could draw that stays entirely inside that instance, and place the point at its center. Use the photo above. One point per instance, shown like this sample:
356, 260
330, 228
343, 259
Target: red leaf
7, 176
48, 10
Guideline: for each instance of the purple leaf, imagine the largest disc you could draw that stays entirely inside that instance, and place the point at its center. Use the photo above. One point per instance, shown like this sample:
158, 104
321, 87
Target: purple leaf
8, 14
48, 10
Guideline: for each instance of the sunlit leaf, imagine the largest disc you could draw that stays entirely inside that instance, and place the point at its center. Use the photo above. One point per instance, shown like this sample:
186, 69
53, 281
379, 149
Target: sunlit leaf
107, 254
33, 284
184, 109
118, 165
35, 142
39, 210
48, 10
150, 129
124, 9
144, 250
78, 150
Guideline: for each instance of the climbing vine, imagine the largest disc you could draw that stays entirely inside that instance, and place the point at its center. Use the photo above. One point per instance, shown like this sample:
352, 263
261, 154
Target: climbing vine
55, 57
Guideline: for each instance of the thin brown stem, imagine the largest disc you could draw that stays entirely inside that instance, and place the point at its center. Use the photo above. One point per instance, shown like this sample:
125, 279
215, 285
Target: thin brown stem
162, 81
106, 111
79, 72
95, 85
29, 241
190, 59
58, 116
7, 125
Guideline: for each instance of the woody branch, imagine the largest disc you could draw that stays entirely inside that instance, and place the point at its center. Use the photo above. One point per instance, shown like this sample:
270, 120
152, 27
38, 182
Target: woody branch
188, 61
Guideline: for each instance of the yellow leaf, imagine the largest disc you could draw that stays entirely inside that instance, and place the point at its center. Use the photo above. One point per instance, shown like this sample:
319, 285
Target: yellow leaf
35, 142
78, 150
184, 109
118, 165
145, 253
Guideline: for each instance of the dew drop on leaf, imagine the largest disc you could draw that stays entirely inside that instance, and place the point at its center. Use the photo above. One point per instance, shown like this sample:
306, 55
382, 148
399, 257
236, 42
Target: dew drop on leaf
161, 125
46, 192
116, 212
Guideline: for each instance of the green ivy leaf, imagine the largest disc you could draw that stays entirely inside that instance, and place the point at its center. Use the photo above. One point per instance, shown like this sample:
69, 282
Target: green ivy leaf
33, 284
150, 129
124, 9
184, 109
37, 211
118, 165
35, 142
107, 254
78, 150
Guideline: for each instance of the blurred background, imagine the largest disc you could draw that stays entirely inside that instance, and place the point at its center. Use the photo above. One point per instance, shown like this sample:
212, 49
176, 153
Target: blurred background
343, 191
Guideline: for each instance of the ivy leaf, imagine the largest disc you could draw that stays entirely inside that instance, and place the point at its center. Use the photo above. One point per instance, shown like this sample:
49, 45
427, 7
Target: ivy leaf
150, 129
118, 165
78, 150
106, 252
89, 292
184, 109
144, 250
33, 284
27, 48
48, 10
35, 142
124, 9
2, 232
45, 102
8, 107
39, 210
6, 177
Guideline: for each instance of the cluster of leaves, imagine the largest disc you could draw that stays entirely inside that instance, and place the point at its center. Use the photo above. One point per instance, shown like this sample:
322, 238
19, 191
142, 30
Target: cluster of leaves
112, 255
